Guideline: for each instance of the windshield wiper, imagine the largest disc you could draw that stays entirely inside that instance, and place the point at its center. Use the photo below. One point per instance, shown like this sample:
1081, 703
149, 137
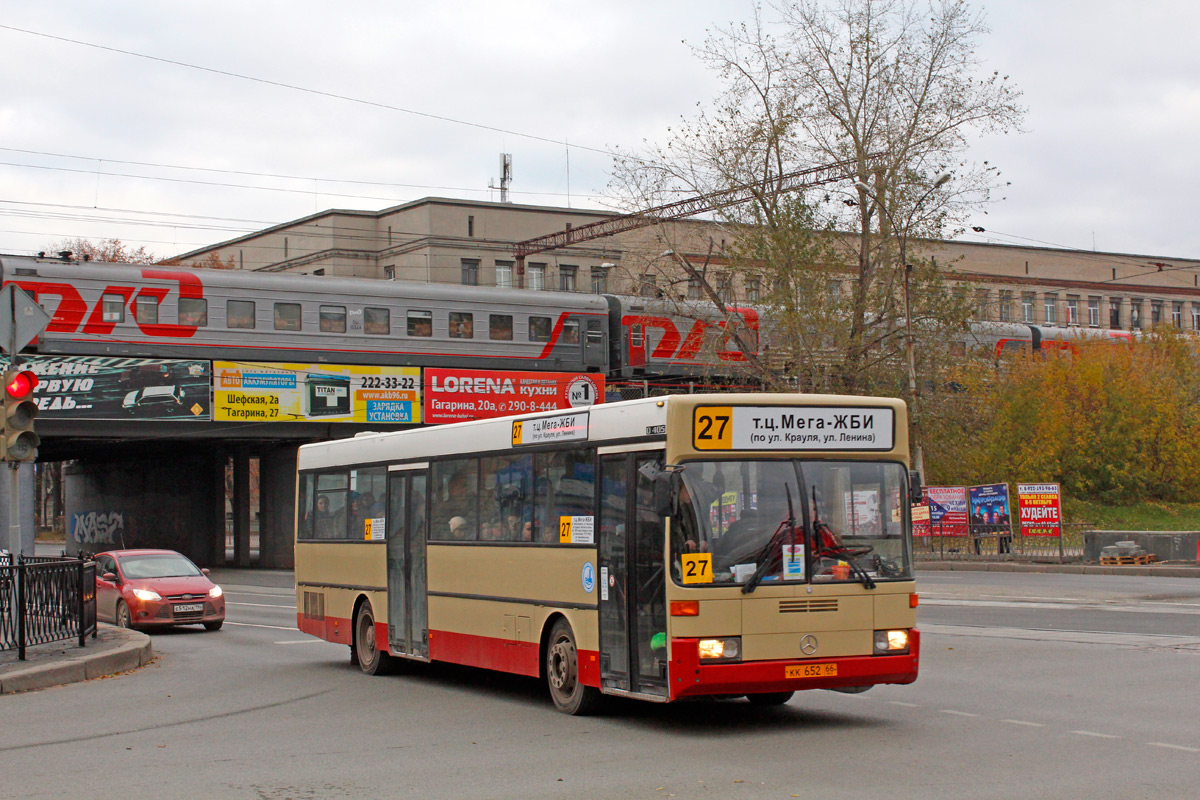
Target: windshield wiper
764, 557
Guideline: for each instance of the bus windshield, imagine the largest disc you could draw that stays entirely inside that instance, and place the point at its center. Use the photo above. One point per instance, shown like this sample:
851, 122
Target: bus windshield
791, 520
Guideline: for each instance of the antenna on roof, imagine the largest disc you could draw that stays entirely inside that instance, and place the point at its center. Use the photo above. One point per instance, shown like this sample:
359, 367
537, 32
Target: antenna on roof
505, 176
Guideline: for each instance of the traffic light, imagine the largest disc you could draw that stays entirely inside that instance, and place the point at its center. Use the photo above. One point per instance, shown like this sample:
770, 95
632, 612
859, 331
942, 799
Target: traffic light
19, 442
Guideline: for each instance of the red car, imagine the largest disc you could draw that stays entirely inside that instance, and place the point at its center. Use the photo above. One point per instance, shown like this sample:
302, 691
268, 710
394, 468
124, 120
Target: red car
153, 588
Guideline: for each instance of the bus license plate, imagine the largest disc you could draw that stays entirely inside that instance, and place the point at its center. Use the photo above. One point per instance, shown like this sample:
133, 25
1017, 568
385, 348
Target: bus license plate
811, 671
186, 608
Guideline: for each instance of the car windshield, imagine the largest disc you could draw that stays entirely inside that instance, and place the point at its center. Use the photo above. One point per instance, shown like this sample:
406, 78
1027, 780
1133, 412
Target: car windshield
162, 565
790, 520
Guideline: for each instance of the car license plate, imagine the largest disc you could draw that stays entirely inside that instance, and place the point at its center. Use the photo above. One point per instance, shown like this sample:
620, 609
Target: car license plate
187, 608
811, 671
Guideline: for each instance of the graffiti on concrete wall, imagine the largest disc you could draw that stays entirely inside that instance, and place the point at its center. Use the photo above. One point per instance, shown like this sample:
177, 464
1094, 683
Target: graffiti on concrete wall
98, 527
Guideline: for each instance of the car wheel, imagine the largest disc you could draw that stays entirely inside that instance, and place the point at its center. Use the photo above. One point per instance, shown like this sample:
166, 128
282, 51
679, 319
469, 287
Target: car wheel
371, 659
769, 698
562, 674
215, 625
123, 617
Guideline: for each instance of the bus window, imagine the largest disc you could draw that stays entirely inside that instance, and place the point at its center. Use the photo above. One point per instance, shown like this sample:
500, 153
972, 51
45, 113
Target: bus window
367, 492
332, 319
377, 321
304, 524
564, 487
329, 517
455, 490
507, 501
287, 316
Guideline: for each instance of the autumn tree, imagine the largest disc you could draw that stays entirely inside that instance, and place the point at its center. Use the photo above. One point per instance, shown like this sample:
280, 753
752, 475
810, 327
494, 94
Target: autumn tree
893, 91
110, 250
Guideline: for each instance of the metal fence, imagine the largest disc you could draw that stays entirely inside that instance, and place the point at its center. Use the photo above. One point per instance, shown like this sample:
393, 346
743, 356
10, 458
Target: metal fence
1000, 543
45, 600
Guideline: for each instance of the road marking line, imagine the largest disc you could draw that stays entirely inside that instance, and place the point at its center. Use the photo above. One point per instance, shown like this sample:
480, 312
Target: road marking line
1022, 722
272, 627
261, 605
1174, 747
1097, 735
304, 641
906, 705
957, 713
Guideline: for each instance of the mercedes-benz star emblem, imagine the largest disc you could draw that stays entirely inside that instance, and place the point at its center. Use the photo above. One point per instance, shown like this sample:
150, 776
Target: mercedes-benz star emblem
808, 644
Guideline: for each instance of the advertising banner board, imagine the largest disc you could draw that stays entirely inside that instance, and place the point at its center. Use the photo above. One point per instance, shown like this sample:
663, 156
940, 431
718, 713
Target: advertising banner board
1040, 508
105, 388
948, 514
455, 395
989, 507
257, 392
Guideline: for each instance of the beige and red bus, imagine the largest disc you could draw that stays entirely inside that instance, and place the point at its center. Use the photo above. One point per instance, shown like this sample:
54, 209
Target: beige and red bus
662, 549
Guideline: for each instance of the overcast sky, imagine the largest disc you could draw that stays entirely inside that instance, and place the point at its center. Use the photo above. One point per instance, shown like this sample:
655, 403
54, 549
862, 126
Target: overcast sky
399, 100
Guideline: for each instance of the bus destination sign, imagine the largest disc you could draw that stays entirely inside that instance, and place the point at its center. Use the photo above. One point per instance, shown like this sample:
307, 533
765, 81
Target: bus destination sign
547, 430
793, 428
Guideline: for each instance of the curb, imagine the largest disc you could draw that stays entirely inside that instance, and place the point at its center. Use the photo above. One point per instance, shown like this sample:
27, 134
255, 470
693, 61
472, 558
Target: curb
1163, 571
115, 650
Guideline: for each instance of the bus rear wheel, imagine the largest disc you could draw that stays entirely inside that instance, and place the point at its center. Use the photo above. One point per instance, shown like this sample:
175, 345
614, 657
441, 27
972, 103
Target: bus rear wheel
769, 698
562, 673
371, 659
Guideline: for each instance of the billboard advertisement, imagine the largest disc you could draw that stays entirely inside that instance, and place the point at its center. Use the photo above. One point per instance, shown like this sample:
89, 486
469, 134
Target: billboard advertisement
948, 515
259, 392
105, 388
1040, 508
455, 395
989, 507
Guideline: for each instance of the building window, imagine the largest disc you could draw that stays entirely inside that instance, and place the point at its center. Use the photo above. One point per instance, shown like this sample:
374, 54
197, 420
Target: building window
599, 280
1135, 314
1177, 314
1094, 312
389, 272
649, 287
287, 316
145, 310
1006, 298
377, 321
239, 314
1156, 312
1051, 309
695, 290
504, 272
753, 289
537, 276
725, 287
1114, 313
1072, 310
470, 225
566, 278
462, 325
331, 319
1027, 307
420, 323
112, 308
500, 327
539, 329
983, 309
193, 311
470, 272
1196, 316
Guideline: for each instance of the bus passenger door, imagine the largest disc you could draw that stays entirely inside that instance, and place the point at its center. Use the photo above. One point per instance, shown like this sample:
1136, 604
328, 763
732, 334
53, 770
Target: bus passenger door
408, 628
633, 619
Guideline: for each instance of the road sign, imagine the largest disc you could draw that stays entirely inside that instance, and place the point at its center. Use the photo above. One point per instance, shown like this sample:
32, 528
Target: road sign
21, 319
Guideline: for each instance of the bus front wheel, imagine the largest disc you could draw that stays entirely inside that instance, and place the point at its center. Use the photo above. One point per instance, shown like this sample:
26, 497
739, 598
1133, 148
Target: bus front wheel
562, 673
371, 659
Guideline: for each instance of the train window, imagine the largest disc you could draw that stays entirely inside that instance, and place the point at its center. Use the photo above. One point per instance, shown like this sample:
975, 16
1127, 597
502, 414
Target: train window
145, 310
193, 311
239, 314
539, 329
287, 316
500, 327
420, 323
331, 319
462, 325
570, 332
595, 333
377, 321
113, 308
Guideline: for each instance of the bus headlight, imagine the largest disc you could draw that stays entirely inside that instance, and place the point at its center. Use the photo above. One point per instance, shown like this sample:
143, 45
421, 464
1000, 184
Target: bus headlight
891, 642
727, 649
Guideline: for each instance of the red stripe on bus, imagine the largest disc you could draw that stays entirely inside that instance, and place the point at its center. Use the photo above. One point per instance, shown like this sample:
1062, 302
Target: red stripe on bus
690, 678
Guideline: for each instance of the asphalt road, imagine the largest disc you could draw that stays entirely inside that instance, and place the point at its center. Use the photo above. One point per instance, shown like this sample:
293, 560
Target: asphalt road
1032, 686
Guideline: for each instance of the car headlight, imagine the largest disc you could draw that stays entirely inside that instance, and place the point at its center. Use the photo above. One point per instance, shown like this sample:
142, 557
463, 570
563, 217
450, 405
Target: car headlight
146, 594
215, 591
727, 649
891, 642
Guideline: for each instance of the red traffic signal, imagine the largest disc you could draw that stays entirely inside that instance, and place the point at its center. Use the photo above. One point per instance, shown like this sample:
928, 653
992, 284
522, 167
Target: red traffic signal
19, 385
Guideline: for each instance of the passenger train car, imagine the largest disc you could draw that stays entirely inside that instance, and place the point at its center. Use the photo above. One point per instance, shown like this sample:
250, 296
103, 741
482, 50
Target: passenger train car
172, 312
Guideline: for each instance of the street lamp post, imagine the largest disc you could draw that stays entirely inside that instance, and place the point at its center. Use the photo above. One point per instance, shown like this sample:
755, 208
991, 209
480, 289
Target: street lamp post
909, 348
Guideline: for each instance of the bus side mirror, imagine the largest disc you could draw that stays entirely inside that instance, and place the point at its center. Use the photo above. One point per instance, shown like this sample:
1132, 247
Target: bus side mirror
916, 492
